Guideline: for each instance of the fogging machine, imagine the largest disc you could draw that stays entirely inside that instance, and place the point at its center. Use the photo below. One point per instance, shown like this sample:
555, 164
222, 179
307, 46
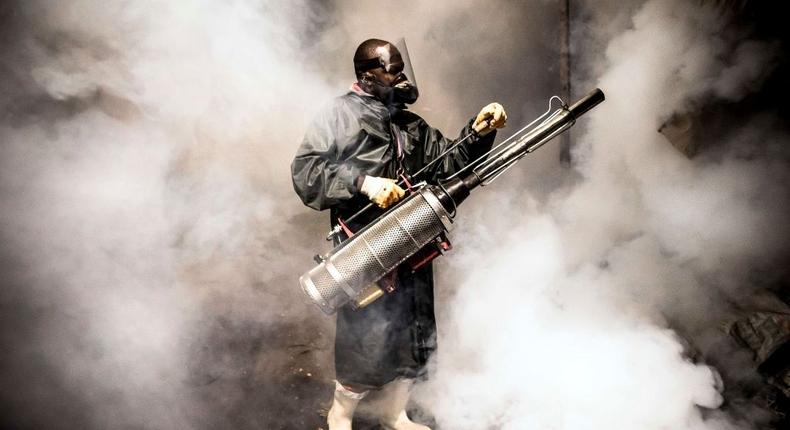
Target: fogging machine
360, 269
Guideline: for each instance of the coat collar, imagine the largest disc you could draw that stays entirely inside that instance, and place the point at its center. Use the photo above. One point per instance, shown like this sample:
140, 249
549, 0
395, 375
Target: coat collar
357, 89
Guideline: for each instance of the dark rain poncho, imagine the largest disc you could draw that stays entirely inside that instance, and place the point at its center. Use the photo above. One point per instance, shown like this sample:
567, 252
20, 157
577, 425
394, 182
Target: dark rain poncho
395, 335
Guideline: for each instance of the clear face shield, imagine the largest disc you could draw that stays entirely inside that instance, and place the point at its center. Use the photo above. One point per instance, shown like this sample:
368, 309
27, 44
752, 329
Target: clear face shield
406, 84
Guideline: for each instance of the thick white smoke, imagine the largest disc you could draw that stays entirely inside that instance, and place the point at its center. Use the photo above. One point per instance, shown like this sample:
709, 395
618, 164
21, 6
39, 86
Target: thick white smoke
144, 195
563, 320
151, 240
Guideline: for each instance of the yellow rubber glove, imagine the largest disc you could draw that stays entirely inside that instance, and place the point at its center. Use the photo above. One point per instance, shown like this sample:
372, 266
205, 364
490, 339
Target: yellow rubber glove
382, 191
492, 116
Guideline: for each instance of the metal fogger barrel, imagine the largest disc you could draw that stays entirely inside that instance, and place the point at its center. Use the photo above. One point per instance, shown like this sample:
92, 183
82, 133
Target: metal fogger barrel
376, 250
350, 271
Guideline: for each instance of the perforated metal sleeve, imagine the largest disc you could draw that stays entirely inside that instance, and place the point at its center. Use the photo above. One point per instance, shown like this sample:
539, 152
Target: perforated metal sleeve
376, 250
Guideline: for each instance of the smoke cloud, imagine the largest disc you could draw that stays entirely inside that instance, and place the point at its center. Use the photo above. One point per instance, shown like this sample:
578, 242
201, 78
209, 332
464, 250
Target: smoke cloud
144, 170
151, 240
569, 317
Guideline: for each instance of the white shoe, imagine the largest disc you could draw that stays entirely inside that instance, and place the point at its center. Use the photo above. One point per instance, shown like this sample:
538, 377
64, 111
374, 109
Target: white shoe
342, 411
394, 416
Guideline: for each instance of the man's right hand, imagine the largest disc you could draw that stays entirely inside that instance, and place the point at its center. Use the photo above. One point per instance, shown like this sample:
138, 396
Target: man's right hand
382, 191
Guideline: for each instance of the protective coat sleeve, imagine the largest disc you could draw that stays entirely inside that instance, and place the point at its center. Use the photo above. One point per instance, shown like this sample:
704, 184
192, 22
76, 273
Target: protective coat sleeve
321, 176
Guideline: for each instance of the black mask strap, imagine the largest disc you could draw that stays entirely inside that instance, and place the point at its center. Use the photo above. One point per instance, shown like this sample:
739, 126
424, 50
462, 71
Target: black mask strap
365, 65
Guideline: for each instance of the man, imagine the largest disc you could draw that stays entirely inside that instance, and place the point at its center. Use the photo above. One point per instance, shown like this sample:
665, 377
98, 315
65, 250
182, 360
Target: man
355, 152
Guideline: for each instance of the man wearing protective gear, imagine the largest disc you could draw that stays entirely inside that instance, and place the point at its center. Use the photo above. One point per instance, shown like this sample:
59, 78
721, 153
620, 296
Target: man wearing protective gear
357, 151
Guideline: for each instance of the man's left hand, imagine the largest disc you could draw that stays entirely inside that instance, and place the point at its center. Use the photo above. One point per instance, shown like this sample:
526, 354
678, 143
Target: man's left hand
492, 116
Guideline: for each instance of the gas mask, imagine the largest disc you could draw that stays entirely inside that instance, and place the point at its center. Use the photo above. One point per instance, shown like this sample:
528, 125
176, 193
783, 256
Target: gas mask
387, 74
